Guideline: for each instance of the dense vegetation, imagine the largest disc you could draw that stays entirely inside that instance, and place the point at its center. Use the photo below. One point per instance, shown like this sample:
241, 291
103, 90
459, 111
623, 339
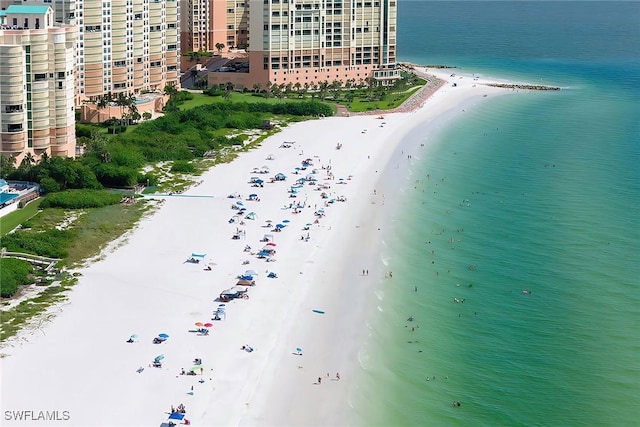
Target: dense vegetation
116, 161
80, 199
13, 273
50, 243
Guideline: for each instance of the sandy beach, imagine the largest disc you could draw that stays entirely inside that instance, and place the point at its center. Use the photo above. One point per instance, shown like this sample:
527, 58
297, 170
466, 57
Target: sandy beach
77, 369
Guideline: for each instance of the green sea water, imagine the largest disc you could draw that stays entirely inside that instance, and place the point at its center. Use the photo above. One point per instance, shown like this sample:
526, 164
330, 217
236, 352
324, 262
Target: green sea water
530, 192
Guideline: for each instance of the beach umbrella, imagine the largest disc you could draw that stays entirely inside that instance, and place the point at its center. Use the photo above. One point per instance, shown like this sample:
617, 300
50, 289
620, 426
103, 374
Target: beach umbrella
158, 358
239, 203
253, 195
249, 273
163, 335
199, 324
208, 325
286, 221
280, 226
271, 244
197, 368
134, 336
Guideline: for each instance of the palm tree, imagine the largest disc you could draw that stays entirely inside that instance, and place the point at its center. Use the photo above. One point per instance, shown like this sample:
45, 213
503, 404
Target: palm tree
103, 102
27, 163
7, 165
219, 47
257, 87
202, 82
170, 89
122, 100
134, 115
268, 88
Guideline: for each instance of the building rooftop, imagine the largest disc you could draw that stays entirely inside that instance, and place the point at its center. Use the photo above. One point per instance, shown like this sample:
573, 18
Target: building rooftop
27, 9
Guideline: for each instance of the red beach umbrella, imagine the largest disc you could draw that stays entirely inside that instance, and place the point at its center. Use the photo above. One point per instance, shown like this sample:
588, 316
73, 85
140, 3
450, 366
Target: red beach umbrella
199, 324
208, 325
271, 244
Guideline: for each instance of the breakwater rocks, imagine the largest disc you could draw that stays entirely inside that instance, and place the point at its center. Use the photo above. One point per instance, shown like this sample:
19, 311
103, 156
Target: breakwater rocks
411, 66
521, 86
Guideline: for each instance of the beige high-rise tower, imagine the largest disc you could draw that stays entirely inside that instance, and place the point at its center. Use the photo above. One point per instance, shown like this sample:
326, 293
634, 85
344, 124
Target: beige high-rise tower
36, 83
127, 46
313, 41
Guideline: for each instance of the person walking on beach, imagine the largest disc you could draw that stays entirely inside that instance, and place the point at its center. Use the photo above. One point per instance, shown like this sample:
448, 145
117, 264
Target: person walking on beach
338, 376
319, 380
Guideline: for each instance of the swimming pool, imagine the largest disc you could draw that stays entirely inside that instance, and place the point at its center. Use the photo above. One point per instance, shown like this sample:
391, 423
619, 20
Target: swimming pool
6, 197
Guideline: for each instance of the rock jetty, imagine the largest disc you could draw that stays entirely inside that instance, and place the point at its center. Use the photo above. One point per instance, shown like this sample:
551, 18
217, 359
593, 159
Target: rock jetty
522, 86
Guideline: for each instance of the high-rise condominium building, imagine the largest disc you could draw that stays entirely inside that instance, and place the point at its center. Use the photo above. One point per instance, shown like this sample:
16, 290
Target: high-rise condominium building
311, 41
205, 24
126, 46
36, 83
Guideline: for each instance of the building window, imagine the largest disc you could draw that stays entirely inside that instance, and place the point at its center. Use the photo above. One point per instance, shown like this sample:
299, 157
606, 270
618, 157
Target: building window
40, 77
16, 108
15, 127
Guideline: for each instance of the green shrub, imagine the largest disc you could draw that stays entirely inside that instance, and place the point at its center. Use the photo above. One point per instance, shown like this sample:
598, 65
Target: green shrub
49, 185
182, 166
80, 199
13, 273
51, 243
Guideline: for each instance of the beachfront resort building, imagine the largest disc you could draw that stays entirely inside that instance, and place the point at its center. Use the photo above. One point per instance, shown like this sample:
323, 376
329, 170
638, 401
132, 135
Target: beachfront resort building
36, 83
311, 41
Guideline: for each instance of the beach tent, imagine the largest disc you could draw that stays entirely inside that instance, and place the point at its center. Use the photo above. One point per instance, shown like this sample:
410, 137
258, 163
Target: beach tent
250, 215
280, 177
176, 416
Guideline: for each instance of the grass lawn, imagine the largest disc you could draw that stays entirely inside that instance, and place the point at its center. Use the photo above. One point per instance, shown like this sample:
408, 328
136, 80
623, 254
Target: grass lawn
202, 99
12, 220
391, 100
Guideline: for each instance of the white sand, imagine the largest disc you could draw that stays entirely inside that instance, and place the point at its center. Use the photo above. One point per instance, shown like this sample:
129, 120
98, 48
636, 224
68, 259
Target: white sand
80, 362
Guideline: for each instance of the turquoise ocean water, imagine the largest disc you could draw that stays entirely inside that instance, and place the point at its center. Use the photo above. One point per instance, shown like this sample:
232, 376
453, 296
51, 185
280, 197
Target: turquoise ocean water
536, 192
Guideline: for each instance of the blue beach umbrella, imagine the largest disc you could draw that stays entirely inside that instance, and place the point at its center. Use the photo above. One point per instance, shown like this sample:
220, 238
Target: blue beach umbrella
286, 221
158, 358
134, 336
163, 335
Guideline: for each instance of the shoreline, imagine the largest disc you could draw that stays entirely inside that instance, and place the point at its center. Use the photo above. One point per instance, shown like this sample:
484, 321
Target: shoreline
144, 287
